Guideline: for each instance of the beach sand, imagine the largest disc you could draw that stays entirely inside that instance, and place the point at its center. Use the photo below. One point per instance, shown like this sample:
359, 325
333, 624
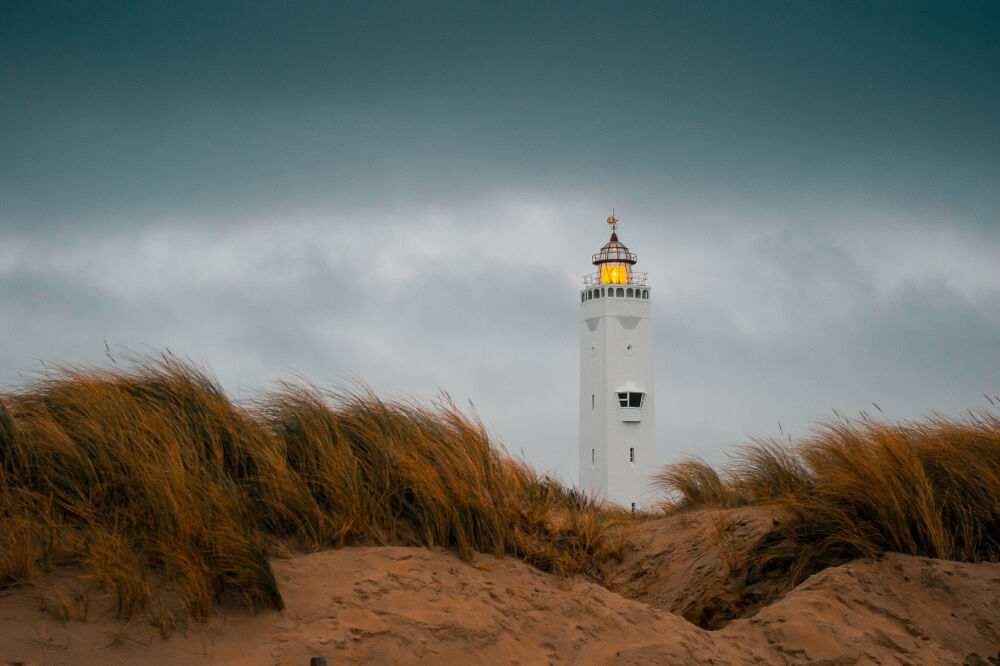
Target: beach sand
407, 605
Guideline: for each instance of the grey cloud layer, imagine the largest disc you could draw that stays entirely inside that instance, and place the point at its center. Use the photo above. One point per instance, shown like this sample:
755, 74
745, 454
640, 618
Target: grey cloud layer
780, 321
409, 193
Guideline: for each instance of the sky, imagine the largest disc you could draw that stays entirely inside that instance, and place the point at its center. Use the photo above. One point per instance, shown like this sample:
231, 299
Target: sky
409, 194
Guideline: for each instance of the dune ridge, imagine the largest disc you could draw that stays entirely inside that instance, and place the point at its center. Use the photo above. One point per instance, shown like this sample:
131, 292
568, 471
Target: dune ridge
146, 517
150, 479
408, 605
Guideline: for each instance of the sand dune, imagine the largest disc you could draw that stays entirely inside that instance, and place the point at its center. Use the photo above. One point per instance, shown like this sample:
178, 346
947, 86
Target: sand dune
152, 470
366, 605
685, 563
404, 605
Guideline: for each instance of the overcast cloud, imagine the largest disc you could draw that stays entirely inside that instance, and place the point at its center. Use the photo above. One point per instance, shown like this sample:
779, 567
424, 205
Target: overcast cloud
411, 196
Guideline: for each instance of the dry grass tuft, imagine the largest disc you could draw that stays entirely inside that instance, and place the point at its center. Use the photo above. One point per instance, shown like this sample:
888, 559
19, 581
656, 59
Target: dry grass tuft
697, 484
161, 489
858, 488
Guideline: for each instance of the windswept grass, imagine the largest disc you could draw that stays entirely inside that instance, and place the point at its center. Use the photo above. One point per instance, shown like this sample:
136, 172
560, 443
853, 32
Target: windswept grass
697, 484
860, 488
161, 489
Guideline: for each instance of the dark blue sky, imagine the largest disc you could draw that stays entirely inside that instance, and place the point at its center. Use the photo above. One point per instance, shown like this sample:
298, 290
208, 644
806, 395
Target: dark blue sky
410, 192
144, 107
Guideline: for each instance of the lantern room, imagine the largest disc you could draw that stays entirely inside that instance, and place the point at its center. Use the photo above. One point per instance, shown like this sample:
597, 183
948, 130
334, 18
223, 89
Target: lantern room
614, 261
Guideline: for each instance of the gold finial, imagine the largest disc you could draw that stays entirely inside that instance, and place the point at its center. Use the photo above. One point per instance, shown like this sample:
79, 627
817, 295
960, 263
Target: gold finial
613, 221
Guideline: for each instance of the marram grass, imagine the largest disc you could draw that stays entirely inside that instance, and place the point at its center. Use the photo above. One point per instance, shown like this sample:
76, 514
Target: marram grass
171, 496
857, 489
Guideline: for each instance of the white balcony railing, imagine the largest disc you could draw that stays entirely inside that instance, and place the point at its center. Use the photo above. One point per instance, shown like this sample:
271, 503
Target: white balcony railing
594, 280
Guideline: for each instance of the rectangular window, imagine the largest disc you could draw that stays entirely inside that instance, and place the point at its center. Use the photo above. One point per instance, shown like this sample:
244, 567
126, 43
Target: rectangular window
592, 397
593, 456
631, 399
633, 507
631, 454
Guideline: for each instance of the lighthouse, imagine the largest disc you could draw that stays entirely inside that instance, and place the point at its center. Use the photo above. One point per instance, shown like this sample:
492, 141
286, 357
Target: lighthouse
617, 430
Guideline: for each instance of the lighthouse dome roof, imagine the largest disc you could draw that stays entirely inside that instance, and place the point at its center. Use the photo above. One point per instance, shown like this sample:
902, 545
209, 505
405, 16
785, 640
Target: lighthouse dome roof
614, 251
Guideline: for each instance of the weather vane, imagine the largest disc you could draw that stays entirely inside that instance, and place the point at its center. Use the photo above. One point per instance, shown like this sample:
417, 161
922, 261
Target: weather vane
613, 221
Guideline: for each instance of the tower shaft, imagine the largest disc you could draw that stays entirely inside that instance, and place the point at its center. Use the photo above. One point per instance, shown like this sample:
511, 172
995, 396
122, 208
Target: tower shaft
617, 427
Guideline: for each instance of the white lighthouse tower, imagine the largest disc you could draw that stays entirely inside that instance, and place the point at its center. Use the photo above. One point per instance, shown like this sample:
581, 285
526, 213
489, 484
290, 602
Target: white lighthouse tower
617, 431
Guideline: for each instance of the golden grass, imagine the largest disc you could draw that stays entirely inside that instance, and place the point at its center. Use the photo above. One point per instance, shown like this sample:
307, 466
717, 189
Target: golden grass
162, 489
859, 488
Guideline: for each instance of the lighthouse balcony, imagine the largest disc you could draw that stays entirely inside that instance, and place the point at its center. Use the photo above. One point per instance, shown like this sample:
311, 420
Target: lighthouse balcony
635, 279
611, 291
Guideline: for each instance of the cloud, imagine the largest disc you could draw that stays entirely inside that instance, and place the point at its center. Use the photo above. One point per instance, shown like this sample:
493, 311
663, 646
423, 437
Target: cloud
478, 304
759, 318
411, 197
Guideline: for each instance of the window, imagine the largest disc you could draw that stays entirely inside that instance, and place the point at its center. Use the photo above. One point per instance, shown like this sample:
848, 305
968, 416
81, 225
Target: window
592, 399
583, 297
593, 456
602, 292
620, 293
633, 507
631, 399
629, 292
645, 293
631, 454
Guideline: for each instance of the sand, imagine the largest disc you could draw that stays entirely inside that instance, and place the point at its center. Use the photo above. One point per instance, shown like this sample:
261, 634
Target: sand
407, 605
685, 563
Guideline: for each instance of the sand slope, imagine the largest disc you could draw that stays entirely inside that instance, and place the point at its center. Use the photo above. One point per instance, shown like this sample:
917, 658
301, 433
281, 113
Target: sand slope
684, 563
365, 605
403, 605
